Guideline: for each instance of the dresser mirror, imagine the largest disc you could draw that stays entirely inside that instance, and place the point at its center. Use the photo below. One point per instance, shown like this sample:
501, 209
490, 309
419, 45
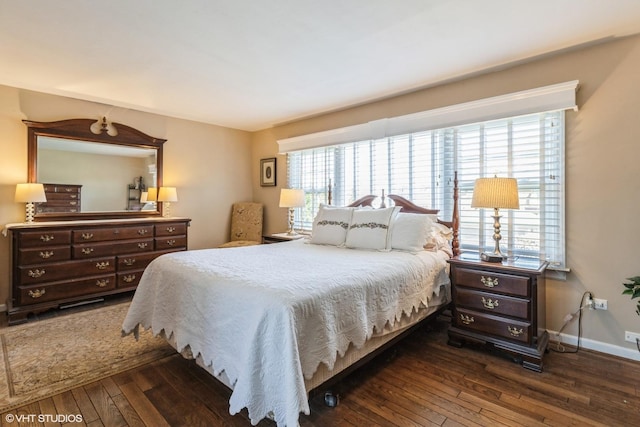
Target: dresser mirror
108, 166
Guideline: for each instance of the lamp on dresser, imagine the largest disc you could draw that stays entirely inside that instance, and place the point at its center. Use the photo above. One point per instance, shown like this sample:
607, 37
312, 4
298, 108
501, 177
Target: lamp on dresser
496, 193
30, 193
291, 198
167, 195
152, 194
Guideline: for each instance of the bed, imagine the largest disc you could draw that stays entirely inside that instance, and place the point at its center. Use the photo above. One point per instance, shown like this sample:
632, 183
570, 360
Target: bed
277, 322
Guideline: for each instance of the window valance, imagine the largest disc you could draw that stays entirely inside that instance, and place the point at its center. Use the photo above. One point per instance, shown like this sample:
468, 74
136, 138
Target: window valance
561, 96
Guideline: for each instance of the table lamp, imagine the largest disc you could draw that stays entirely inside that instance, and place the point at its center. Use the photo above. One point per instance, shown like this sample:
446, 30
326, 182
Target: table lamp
291, 198
166, 195
496, 193
30, 193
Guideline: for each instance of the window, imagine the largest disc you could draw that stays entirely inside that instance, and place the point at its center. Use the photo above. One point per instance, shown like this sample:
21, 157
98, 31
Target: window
420, 166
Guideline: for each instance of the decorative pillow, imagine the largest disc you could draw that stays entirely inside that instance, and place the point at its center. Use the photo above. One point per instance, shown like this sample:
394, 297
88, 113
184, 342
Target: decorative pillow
330, 225
410, 232
439, 239
370, 229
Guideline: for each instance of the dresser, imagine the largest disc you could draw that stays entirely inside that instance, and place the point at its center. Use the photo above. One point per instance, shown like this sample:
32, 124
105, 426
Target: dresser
502, 305
61, 263
60, 198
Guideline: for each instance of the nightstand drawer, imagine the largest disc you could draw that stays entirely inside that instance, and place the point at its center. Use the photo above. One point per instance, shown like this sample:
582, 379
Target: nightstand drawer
494, 282
493, 303
495, 325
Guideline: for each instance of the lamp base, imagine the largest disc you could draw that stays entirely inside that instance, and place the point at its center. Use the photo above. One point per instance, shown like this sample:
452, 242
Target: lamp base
487, 257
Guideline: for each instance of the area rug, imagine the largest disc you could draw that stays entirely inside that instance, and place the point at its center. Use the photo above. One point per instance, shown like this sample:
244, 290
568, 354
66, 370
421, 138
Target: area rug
47, 357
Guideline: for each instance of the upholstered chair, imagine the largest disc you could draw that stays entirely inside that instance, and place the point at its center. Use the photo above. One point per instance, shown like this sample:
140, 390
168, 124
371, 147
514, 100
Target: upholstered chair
246, 225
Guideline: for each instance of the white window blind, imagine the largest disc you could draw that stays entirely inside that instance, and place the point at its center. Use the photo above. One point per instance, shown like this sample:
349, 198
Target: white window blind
420, 166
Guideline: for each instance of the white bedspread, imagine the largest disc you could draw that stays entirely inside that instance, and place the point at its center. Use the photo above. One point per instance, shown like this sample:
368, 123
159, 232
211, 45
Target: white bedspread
268, 315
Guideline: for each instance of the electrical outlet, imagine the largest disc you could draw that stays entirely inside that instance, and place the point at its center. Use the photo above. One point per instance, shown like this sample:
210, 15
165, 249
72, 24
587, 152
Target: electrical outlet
600, 304
631, 336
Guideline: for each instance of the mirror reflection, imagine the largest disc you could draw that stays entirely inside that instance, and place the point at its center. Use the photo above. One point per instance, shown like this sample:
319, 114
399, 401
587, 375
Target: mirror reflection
84, 176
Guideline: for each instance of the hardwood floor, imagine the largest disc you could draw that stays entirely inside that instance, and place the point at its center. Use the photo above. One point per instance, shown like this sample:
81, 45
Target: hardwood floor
421, 382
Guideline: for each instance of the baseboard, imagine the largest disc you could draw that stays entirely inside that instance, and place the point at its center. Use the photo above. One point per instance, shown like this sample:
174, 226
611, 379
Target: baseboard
614, 350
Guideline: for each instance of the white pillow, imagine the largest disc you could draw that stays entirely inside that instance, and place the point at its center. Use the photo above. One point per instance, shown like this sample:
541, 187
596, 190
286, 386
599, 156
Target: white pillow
410, 232
370, 229
330, 225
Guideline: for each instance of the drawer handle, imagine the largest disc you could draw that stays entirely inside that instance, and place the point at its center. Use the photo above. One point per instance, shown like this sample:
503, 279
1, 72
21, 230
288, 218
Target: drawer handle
101, 283
102, 265
37, 293
515, 332
467, 320
489, 303
143, 231
489, 282
171, 229
143, 245
87, 251
171, 242
73, 203
46, 254
129, 261
130, 278
68, 190
87, 236
73, 196
36, 273
46, 237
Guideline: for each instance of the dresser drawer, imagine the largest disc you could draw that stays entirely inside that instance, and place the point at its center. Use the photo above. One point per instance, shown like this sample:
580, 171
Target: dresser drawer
56, 197
495, 282
176, 242
43, 255
44, 273
111, 248
117, 233
135, 261
75, 203
171, 229
493, 303
67, 289
129, 279
32, 239
46, 208
484, 323
61, 188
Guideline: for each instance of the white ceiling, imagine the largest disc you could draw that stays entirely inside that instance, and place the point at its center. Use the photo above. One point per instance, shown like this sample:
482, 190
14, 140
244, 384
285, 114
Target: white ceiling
250, 64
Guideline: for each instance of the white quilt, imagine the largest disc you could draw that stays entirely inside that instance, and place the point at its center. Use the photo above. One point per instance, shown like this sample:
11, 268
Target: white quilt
268, 315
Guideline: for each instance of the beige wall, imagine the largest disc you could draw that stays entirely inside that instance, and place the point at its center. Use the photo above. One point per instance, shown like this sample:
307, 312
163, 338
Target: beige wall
603, 176
208, 164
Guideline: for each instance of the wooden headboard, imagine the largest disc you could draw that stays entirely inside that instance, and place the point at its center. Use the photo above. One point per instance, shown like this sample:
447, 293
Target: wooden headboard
410, 207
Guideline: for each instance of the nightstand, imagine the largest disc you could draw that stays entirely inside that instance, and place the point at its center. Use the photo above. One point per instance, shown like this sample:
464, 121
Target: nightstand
500, 304
280, 237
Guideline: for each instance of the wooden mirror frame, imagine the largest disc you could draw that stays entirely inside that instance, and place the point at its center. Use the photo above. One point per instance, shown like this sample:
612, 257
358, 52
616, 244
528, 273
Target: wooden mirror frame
80, 130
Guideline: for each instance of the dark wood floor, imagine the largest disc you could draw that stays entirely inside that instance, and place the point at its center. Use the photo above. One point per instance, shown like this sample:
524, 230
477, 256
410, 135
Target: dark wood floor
421, 382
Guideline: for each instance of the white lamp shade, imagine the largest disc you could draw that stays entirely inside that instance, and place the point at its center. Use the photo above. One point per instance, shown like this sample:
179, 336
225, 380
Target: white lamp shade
291, 198
152, 194
167, 194
501, 193
31, 192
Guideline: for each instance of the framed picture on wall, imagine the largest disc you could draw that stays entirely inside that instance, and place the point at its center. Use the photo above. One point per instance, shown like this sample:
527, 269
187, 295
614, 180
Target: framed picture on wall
268, 172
